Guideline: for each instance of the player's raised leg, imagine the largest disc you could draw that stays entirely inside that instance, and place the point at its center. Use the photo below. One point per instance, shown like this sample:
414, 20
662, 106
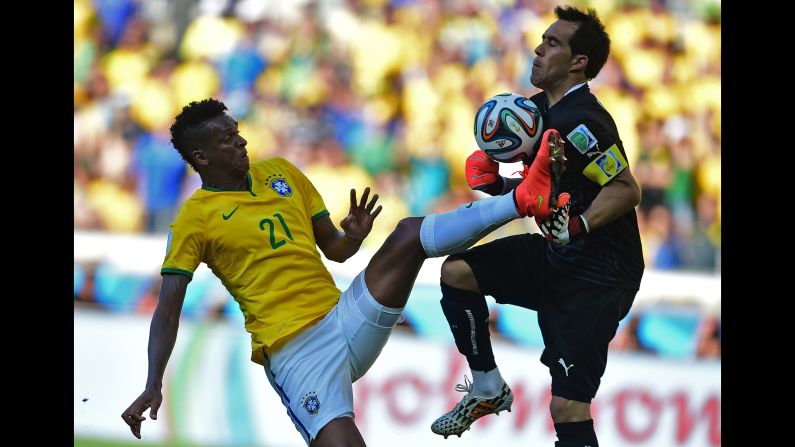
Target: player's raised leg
373, 303
335, 431
391, 272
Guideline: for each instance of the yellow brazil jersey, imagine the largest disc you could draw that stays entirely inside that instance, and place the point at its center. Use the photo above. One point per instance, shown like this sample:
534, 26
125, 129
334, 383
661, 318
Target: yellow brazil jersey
261, 245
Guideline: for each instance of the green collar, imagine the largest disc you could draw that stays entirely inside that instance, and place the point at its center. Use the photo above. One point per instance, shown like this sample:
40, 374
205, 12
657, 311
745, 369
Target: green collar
249, 184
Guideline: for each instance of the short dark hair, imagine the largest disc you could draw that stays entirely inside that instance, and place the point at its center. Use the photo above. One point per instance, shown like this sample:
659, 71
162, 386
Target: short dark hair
188, 126
590, 39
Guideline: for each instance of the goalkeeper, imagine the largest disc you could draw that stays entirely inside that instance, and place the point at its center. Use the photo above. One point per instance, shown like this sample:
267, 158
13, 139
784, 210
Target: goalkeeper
582, 275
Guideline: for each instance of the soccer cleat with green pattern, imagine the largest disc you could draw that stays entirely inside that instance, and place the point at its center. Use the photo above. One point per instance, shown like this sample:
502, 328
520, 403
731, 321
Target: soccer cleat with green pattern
470, 409
539, 193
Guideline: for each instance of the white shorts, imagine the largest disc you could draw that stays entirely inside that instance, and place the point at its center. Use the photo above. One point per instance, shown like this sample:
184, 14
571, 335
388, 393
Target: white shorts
313, 373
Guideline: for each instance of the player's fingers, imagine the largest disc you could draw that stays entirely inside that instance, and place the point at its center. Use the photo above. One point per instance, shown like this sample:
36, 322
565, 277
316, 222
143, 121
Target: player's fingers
153, 411
375, 213
134, 421
372, 203
353, 198
133, 414
364, 197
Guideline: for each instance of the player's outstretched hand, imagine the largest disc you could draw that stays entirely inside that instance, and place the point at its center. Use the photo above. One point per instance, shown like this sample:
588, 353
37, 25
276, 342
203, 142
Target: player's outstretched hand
481, 171
133, 415
359, 221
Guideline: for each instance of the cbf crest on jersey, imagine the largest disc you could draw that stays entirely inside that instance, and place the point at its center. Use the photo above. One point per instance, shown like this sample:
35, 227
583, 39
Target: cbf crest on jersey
280, 185
311, 403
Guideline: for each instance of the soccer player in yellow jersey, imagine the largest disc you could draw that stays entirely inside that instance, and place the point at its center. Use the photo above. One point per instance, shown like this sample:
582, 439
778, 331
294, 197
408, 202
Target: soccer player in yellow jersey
258, 226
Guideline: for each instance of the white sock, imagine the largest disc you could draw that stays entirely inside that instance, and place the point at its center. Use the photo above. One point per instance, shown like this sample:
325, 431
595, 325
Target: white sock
457, 230
486, 384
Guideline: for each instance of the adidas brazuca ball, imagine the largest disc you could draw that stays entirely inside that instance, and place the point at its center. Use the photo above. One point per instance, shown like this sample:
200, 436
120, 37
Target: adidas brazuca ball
507, 127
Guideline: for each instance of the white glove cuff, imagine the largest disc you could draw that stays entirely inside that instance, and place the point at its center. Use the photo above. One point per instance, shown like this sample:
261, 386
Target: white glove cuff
585, 223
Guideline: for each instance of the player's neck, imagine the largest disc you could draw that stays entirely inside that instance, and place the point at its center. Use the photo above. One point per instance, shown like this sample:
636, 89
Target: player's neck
556, 93
225, 182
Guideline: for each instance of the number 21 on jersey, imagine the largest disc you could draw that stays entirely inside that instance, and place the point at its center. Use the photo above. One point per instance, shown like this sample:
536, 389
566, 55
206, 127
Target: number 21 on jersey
271, 226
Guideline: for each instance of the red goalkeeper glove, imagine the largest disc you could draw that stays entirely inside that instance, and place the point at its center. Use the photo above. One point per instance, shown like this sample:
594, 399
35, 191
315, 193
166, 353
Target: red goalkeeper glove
562, 228
483, 173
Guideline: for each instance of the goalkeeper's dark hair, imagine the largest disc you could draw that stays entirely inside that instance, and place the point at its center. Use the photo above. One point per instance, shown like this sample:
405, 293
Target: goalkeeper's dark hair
188, 127
590, 39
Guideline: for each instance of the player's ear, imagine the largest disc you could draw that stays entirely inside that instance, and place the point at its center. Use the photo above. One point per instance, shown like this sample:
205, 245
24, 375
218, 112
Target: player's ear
579, 62
199, 158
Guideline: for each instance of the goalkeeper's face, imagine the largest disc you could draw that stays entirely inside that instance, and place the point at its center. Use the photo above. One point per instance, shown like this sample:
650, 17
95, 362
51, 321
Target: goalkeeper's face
554, 61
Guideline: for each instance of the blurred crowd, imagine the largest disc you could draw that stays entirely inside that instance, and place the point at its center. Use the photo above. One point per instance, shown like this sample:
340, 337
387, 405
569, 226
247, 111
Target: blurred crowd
383, 93
666, 329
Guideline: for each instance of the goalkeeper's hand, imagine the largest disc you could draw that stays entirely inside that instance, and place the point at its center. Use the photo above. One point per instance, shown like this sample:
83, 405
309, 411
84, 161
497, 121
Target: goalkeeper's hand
483, 173
563, 228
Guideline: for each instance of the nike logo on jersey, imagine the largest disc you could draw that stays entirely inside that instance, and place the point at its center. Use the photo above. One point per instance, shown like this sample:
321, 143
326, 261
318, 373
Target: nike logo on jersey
230, 214
540, 199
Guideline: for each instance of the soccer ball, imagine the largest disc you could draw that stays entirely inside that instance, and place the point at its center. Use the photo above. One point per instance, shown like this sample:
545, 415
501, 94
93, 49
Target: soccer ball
507, 127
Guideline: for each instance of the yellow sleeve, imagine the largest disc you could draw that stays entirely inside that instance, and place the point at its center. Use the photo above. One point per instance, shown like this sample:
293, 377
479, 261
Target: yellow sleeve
185, 246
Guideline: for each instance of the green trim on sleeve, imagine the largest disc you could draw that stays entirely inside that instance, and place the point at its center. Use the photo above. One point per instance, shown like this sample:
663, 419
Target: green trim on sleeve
177, 272
320, 215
